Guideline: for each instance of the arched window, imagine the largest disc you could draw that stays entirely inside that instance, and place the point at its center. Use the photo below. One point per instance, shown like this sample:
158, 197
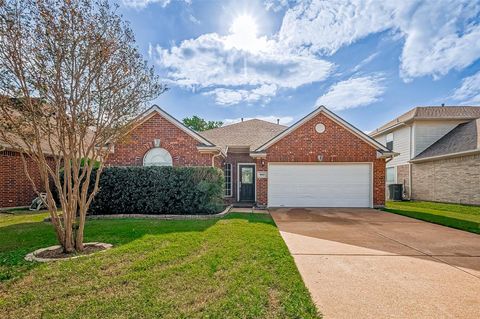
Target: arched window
157, 157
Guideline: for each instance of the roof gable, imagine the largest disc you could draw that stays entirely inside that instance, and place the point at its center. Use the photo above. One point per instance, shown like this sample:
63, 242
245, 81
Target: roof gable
155, 109
332, 116
463, 138
431, 113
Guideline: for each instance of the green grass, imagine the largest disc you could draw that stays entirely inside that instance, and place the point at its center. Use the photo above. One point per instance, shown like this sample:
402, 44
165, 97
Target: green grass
462, 217
236, 267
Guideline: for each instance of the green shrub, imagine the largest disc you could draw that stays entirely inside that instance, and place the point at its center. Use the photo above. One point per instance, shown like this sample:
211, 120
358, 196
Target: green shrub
158, 190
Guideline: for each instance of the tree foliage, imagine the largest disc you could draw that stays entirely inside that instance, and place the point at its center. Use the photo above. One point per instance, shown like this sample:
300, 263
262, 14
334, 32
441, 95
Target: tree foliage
198, 124
71, 82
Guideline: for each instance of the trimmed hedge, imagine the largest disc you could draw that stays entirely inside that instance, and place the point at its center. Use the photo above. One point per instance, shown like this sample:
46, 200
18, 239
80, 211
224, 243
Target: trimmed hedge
159, 190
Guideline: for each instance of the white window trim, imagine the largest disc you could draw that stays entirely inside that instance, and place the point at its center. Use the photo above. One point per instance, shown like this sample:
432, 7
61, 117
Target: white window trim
231, 181
392, 140
394, 174
170, 163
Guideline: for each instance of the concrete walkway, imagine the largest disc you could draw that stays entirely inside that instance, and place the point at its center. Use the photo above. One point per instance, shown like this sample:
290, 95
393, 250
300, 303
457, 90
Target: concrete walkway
364, 263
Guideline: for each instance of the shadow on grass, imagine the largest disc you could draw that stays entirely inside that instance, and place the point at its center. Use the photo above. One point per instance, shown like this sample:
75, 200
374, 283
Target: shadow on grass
17, 240
461, 224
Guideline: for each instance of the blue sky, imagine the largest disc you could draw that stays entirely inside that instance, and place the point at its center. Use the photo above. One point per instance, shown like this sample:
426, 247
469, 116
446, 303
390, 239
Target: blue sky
368, 61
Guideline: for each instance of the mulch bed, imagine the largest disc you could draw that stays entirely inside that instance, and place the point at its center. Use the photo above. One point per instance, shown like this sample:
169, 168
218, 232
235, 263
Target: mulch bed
59, 253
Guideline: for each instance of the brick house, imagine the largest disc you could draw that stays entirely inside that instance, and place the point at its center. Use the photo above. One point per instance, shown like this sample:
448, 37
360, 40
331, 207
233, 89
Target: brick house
438, 155
15, 188
320, 161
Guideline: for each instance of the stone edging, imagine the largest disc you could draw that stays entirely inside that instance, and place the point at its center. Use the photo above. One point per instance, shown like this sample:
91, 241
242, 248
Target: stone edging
164, 217
32, 257
161, 217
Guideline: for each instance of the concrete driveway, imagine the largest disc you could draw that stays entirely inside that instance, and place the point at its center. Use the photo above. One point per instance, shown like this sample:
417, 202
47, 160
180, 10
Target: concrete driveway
364, 263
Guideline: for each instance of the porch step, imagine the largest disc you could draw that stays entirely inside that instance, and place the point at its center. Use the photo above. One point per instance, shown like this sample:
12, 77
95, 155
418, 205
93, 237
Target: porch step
244, 204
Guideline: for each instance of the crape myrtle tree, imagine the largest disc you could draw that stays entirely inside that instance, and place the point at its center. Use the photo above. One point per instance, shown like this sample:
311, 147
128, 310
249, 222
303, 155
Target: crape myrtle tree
71, 82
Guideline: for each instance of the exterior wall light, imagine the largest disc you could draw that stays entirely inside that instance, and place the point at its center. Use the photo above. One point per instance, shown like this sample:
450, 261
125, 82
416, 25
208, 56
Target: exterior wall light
320, 157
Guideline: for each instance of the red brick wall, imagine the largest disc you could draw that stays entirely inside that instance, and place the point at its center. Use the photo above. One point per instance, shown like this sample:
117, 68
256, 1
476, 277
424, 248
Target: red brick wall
180, 145
15, 188
336, 144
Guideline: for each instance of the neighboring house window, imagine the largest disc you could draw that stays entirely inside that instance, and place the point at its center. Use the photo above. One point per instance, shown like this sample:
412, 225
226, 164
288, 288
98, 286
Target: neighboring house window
390, 175
157, 157
228, 180
390, 141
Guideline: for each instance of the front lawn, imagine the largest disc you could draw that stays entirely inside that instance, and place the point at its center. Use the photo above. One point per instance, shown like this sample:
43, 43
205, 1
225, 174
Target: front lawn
236, 267
457, 216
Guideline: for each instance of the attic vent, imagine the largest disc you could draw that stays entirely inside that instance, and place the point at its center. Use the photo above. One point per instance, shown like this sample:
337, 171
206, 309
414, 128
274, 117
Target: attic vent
320, 128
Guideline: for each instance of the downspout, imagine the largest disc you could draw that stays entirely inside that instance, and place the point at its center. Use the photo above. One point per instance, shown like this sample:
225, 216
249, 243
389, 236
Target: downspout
214, 156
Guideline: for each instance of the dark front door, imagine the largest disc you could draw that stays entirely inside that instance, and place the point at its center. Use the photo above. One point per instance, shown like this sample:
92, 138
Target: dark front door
247, 183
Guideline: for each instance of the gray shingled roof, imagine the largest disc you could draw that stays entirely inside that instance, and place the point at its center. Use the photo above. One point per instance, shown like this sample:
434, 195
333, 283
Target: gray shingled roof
431, 113
252, 133
464, 137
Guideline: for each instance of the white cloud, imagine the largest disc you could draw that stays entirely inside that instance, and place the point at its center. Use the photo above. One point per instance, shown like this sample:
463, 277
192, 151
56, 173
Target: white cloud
365, 61
439, 35
140, 4
192, 19
469, 91
230, 97
284, 120
325, 26
353, 93
212, 60
277, 5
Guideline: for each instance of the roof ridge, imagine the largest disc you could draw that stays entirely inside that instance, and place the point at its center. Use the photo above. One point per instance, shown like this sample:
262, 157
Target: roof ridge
241, 122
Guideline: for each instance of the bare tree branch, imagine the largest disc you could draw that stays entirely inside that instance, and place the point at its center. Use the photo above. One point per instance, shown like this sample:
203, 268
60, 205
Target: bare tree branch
71, 81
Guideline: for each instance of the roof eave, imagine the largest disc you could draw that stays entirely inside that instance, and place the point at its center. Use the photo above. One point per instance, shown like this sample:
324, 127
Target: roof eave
205, 149
445, 156
258, 154
387, 154
388, 129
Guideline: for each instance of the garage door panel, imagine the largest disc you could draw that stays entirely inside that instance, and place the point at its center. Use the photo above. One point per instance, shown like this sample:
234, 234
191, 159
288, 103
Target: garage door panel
320, 185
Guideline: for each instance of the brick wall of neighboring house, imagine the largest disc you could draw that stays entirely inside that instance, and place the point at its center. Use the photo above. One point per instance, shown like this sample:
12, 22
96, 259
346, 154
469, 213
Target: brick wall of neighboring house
455, 180
15, 188
180, 145
403, 177
235, 159
336, 144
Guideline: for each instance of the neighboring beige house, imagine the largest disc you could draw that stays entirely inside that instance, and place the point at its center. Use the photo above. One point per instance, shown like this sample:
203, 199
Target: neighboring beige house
411, 134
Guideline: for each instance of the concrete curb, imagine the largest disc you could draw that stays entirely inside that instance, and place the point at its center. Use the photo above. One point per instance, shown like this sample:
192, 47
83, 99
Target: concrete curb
31, 256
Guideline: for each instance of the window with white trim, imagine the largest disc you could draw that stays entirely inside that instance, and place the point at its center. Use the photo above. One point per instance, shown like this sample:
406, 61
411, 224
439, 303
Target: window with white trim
390, 175
227, 171
389, 141
157, 157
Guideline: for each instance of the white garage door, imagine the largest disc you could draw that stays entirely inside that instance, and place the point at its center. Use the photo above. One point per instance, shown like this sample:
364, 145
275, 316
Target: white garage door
319, 185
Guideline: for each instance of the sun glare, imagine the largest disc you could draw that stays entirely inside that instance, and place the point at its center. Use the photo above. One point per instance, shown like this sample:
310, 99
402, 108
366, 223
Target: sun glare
244, 25
243, 34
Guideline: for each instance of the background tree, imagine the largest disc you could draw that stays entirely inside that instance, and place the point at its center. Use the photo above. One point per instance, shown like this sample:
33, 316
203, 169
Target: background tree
198, 124
71, 80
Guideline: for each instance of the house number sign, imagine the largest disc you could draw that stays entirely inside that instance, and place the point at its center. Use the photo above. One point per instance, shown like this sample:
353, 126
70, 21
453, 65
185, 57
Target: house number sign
262, 174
